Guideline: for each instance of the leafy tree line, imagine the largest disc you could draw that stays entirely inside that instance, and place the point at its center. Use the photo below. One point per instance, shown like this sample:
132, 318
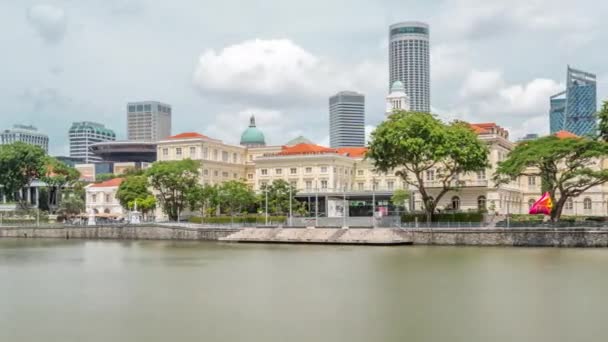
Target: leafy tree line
412, 144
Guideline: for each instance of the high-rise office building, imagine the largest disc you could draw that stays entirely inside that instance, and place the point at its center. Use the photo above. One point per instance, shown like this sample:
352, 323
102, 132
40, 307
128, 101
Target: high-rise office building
83, 135
27, 134
574, 109
148, 121
409, 62
347, 119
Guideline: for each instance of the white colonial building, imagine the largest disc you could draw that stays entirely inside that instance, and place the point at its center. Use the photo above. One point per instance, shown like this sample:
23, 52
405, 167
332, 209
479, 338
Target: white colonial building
101, 199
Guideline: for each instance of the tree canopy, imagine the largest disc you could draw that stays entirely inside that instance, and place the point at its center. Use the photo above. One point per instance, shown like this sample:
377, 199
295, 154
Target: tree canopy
603, 122
235, 195
204, 198
412, 144
20, 164
133, 189
278, 197
173, 181
567, 167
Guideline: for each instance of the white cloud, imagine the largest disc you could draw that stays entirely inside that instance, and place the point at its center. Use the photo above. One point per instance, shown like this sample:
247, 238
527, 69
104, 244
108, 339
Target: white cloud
279, 72
481, 83
50, 22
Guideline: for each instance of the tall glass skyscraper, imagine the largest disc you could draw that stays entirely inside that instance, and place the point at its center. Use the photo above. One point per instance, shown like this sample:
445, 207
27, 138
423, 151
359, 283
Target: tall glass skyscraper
409, 62
347, 119
574, 109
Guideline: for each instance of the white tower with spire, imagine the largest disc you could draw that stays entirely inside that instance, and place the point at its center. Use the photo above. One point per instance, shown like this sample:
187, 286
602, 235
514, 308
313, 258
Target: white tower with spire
397, 99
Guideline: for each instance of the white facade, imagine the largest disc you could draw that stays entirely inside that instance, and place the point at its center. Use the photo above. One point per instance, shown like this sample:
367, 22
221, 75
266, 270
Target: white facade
26, 134
397, 99
84, 134
347, 119
409, 62
148, 121
101, 199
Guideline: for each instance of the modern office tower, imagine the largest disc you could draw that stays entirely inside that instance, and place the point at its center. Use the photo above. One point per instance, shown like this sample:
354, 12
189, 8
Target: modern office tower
574, 109
83, 135
397, 99
409, 62
27, 134
148, 121
347, 119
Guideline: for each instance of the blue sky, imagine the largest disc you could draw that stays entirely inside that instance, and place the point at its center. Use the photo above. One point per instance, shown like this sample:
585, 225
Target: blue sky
217, 63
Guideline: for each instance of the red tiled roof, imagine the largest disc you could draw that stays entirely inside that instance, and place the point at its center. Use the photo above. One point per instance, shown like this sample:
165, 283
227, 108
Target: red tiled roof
108, 183
188, 135
565, 135
305, 149
353, 152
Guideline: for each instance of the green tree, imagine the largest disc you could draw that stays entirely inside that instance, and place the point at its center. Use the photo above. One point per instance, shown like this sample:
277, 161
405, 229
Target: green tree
399, 198
102, 177
603, 122
567, 167
419, 146
173, 181
278, 197
144, 205
234, 196
132, 188
58, 176
20, 164
204, 198
71, 205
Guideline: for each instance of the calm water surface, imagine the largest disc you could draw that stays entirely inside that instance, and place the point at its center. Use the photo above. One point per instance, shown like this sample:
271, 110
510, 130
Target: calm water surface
52, 290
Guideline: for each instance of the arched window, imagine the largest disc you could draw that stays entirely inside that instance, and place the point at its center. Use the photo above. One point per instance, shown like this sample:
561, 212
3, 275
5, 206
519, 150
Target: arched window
531, 202
107, 211
481, 203
455, 202
569, 204
587, 203
95, 211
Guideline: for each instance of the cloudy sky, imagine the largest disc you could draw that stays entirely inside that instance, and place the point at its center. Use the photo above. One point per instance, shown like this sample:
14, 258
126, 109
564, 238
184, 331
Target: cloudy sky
217, 62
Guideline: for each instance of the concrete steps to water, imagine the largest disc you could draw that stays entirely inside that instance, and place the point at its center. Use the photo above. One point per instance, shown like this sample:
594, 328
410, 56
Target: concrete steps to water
372, 236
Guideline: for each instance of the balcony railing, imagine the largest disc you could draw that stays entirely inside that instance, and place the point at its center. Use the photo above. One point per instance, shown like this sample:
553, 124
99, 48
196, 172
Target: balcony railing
462, 183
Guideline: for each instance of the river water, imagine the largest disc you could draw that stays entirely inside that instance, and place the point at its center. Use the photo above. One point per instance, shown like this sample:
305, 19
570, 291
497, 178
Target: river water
54, 290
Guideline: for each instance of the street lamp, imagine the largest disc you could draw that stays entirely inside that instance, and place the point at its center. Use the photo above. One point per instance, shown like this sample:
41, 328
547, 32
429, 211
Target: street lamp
344, 207
290, 213
266, 211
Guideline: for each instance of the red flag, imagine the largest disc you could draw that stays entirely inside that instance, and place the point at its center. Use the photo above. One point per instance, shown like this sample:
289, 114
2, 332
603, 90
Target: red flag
542, 206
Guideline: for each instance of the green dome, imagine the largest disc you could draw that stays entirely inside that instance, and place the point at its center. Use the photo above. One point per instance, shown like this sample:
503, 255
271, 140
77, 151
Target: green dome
252, 136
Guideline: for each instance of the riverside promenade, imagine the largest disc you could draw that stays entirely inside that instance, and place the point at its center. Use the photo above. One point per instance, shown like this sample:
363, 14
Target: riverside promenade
507, 237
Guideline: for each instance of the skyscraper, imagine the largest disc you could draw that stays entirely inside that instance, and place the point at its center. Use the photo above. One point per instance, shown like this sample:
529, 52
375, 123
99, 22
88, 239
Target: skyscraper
83, 135
26, 134
148, 121
409, 62
574, 109
347, 119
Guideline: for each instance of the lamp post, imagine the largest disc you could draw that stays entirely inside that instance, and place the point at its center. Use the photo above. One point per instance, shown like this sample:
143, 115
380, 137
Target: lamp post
374, 202
317, 205
266, 210
290, 212
344, 206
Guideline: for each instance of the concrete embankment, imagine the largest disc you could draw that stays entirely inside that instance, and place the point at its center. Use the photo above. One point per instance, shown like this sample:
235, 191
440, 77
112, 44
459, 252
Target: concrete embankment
515, 237
140, 232
377, 236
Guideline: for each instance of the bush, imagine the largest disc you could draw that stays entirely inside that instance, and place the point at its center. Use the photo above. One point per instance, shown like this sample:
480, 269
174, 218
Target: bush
451, 217
252, 219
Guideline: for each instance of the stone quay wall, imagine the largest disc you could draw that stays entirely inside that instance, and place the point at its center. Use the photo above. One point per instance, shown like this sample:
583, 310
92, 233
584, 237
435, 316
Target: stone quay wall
143, 232
514, 237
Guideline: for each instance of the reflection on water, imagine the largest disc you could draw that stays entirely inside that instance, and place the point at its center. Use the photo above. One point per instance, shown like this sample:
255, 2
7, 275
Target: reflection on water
57, 290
